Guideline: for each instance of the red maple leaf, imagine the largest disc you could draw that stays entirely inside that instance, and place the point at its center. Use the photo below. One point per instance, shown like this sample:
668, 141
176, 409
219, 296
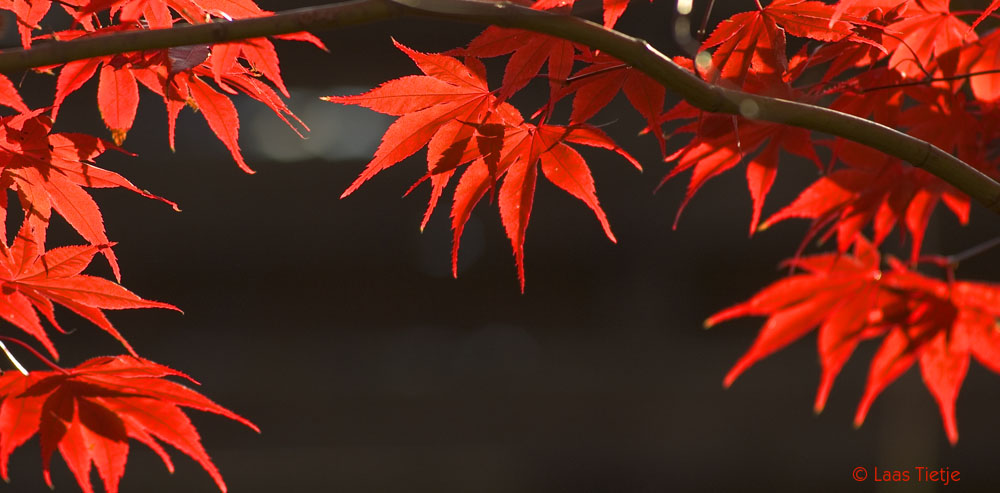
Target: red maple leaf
613, 9
48, 171
864, 49
90, 412
451, 110
851, 300
983, 58
28, 13
178, 79
756, 40
32, 279
10, 97
258, 52
529, 51
173, 73
524, 148
796, 304
721, 142
928, 30
875, 189
986, 13
597, 84
435, 108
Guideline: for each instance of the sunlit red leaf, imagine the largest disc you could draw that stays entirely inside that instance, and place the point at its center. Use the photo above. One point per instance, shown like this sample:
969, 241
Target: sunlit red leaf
29, 13
721, 142
756, 40
118, 100
73, 76
220, 113
929, 30
10, 97
33, 280
89, 413
598, 83
986, 13
874, 189
524, 148
450, 93
48, 170
529, 51
850, 299
985, 57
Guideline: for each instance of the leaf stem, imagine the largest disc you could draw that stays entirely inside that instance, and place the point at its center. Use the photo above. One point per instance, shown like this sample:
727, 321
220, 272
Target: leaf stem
950, 263
972, 252
12, 359
599, 71
703, 28
33, 351
931, 80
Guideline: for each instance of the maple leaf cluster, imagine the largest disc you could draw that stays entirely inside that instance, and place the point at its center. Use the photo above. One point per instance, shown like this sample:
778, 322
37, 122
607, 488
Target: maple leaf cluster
912, 65
938, 324
89, 413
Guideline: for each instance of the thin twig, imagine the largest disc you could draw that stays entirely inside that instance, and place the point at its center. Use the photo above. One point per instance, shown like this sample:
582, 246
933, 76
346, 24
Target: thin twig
930, 80
972, 252
703, 28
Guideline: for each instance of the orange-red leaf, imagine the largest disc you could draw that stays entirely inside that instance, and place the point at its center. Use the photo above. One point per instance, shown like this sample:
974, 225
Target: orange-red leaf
755, 41
986, 13
10, 97
220, 113
89, 413
851, 299
449, 91
722, 142
529, 51
118, 99
33, 279
72, 76
524, 148
598, 83
48, 170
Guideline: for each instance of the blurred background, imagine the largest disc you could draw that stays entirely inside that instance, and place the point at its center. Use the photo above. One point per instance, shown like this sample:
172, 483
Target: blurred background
336, 327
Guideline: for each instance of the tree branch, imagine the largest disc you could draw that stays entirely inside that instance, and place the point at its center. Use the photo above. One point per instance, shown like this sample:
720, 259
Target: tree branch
633, 51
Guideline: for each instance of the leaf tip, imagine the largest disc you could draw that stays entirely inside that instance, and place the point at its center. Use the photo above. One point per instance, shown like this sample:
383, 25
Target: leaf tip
118, 135
734, 373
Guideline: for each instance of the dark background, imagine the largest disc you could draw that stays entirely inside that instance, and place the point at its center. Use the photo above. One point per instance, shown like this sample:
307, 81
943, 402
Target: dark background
336, 327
